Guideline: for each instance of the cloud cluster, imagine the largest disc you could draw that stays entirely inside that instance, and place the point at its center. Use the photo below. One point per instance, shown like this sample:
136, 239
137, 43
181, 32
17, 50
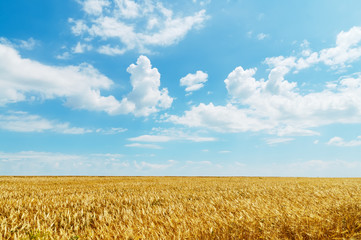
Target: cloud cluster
79, 86
122, 25
276, 106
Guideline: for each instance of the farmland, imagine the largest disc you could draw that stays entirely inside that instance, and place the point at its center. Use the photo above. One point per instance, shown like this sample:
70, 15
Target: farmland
179, 208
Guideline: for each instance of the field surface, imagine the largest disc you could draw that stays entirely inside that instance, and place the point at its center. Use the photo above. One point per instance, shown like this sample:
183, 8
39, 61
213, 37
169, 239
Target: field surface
179, 208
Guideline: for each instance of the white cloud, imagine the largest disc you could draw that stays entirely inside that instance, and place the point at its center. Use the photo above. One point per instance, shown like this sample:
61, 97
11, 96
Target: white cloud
259, 36
347, 48
128, 8
151, 138
111, 131
22, 44
179, 136
94, 7
135, 24
78, 27
346, 51
80, 86
27, 44
114, 164
194, 82
262, 36
112, 51
145, 97
167, 135
63, 56
340, 142
220, 118
224, 152
142, 145
276, 106
199, 163
241, 83
273, 141
50, 163
81, 48
24, 122
154, 166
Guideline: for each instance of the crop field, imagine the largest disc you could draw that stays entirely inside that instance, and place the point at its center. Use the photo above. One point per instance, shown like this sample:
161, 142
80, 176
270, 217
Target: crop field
179, 208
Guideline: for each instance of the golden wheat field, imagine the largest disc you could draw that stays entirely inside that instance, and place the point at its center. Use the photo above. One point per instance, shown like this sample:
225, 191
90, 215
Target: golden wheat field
179, 208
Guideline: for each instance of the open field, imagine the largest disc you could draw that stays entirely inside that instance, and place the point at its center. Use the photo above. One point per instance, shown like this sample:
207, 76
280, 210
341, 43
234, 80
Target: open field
179, 208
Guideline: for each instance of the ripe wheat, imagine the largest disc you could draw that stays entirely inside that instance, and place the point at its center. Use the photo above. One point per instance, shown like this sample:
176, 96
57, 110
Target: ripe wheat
179, 208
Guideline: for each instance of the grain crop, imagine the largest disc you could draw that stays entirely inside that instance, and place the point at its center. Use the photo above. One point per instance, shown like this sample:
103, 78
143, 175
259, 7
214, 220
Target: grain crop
179, 208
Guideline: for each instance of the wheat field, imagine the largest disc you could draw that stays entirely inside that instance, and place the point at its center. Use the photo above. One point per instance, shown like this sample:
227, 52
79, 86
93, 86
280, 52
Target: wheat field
179, 208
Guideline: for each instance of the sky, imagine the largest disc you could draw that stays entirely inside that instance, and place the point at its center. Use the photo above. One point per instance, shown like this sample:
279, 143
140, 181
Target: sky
180, 88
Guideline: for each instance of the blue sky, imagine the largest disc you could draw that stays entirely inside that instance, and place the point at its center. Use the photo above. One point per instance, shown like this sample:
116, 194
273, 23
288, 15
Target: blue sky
121, 87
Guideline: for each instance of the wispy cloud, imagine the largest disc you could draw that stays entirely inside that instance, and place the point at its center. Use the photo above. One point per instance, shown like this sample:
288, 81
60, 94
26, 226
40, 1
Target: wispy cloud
25, 122
167, 135
262, 36
340, 142
154, 166
224, 151
273, 141
50, 163
111, 131
28, 44
144, 145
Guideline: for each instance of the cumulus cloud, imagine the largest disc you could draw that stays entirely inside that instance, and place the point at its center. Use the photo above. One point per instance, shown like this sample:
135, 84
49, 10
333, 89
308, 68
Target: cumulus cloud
346, 51
79, 86
133, 24
145, 97
241, 83
275, 105
340, 142
194, 82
